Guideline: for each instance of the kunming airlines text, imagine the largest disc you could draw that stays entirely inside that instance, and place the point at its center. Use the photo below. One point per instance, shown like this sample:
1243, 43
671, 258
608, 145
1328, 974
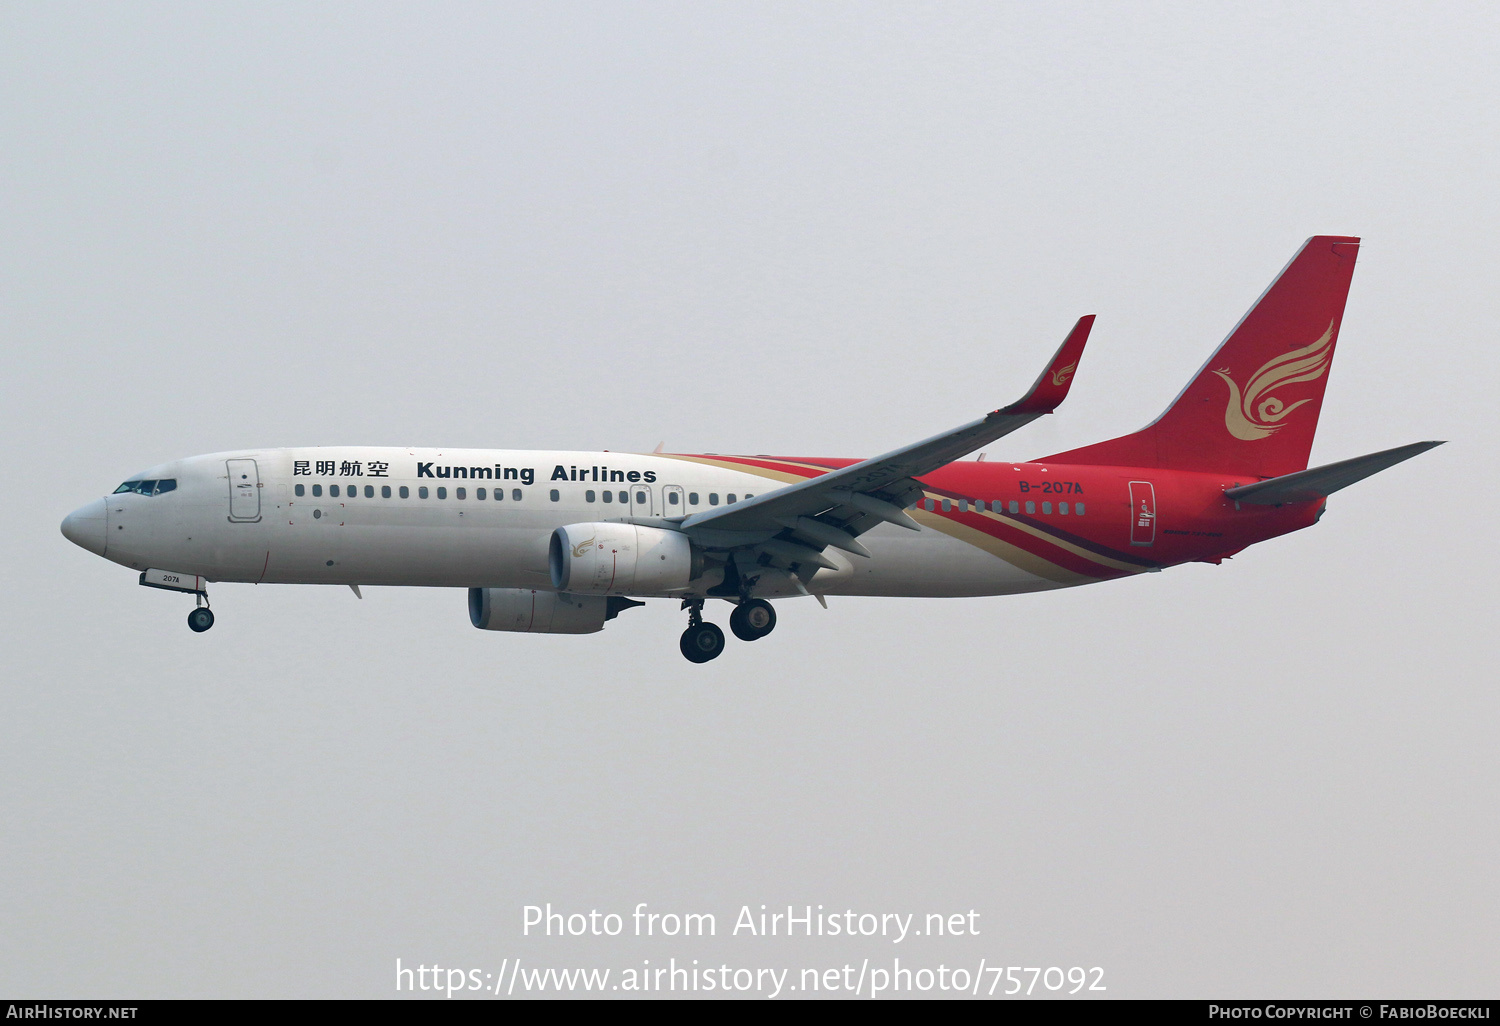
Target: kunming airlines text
515, 976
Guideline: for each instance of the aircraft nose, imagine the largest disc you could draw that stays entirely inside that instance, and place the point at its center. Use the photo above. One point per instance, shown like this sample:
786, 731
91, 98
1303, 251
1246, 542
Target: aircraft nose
84, 527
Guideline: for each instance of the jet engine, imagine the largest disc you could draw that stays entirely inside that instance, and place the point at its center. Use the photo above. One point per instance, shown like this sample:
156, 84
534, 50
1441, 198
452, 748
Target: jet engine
541, 612
622, 559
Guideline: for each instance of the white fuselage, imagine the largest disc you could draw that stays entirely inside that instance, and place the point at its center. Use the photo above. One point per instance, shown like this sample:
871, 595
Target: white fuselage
272, 516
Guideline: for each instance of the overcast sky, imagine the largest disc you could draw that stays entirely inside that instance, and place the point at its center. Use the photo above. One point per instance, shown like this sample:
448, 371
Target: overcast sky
769, 228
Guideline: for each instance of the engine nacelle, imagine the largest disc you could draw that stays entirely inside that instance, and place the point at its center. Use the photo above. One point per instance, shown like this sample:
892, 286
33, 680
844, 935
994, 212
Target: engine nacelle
621, 559
537, 612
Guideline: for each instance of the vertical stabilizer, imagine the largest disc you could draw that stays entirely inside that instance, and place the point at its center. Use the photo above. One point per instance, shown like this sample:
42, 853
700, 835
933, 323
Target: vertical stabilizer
1253, 407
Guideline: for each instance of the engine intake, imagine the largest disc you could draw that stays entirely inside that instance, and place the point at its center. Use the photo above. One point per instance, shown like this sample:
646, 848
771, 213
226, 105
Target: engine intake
622, 559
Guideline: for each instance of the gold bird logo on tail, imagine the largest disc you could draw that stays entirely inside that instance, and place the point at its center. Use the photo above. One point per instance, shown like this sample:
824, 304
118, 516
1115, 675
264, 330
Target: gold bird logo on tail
1062, 374
1255, 413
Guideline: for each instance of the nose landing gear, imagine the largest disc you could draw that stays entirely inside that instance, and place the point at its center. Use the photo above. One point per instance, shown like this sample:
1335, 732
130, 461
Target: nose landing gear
701, 641
202, 617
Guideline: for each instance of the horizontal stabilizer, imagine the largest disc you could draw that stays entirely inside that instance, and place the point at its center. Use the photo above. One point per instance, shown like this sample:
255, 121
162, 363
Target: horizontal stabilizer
1321, 482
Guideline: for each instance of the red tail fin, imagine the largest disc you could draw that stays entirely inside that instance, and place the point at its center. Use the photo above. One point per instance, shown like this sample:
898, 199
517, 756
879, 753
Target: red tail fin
1254, 406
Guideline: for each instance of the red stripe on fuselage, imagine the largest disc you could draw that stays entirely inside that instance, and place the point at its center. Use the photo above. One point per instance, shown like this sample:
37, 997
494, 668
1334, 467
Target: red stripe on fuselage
1197, 522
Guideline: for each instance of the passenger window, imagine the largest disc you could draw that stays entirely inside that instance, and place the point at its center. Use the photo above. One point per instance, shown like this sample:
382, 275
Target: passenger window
442, 493
515, 493
979, 505
479, 494
422, 492
609, 496
555, 496
333, 491
1015, 507
459, 493
405, 492
166, 484
713, 498
947, 506
929, 504
299, 489
369, 491
671, 498
499, 494
640, 498
317, 490
1031, 507
589, 496
729, 497
1062, 507
1078, 508
1046, 507
385, 491
693, 498
624, 496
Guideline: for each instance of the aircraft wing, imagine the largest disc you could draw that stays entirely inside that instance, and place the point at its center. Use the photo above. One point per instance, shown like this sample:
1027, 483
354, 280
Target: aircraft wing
836, 507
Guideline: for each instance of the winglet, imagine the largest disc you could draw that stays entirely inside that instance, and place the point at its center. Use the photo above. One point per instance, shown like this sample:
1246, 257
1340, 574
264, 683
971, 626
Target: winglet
1052, 387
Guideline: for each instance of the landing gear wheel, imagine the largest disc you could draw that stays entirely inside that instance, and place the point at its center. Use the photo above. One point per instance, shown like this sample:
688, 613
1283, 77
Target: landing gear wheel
752, 620
702, 642
201, 619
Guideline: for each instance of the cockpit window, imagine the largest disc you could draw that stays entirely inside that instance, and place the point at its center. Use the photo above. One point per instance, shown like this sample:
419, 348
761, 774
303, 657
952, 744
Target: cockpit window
166, 484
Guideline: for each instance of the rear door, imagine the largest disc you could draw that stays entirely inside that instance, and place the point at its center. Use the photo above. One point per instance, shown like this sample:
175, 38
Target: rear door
1142, 513
244, 491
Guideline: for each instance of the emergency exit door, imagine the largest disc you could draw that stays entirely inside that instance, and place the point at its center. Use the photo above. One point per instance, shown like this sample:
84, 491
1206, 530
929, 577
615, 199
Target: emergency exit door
640, 500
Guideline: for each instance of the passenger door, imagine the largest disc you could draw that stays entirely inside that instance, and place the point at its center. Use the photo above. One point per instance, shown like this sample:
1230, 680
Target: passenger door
1142, 513
244, 491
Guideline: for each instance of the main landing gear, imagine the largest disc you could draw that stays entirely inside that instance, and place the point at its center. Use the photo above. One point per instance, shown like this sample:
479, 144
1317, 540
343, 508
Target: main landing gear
751, 620
701, 641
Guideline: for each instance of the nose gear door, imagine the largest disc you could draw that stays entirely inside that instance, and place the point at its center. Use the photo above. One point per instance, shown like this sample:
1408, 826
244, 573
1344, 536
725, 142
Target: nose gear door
244, 491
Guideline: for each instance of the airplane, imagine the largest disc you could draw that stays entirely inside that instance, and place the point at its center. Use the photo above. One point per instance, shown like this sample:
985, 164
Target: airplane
562, 542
